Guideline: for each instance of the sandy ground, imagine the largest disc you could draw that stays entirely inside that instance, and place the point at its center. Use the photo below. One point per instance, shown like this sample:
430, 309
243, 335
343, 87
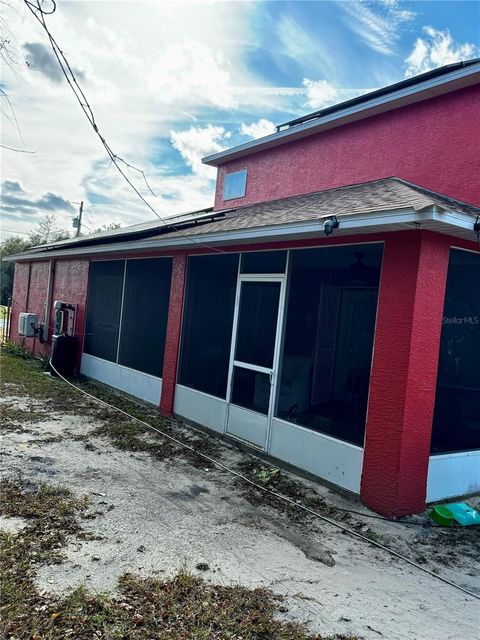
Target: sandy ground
152, 517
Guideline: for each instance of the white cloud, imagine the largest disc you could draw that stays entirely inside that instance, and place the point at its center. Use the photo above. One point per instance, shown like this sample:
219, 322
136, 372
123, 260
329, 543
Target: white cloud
192, 73
173, 194
259, 129
320, 93
136, 117
150, 71
436, 50
379, 24
196, 143
311, 53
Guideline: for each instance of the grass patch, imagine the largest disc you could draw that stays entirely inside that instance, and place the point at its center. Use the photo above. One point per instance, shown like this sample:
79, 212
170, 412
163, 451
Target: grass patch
52, 515
276, 480
183, 607
27, 375
12, 417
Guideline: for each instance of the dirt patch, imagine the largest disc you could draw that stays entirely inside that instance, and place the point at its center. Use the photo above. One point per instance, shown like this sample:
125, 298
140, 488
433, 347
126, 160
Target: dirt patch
184, 606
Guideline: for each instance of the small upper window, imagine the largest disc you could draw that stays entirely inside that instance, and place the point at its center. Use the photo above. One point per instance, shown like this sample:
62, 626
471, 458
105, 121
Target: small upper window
234, 185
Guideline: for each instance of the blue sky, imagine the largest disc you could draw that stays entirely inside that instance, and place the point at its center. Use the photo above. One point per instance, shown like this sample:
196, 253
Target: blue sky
172, 82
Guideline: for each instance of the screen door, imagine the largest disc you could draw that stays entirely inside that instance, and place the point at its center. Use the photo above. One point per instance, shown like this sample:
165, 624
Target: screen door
254, 358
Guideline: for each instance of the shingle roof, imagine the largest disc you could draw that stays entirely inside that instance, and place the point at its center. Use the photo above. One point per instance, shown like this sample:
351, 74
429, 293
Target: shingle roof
367, 198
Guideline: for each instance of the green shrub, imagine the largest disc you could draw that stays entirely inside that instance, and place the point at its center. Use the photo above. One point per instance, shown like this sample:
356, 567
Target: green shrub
15, 349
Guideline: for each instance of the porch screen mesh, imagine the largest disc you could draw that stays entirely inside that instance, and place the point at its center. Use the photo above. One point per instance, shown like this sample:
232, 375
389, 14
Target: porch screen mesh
105, 283
456, 422
207, 323
327, 350
145, 313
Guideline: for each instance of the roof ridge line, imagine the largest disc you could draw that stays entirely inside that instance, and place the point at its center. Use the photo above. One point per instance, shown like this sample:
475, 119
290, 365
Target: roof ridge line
435, 194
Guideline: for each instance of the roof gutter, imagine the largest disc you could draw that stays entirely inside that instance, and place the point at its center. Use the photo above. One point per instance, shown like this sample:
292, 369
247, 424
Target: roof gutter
349, 224
457, 79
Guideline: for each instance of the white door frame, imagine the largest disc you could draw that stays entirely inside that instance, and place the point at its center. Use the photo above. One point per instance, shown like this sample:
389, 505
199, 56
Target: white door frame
273, 372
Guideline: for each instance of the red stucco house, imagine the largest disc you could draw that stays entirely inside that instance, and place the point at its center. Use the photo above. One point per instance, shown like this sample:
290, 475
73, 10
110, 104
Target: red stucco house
325, 311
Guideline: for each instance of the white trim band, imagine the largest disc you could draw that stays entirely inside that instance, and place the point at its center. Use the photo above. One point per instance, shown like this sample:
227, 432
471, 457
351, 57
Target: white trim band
136, 383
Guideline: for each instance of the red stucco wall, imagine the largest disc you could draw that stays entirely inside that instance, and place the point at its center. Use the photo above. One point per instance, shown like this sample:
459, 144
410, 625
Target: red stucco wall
30, 292
404, 372
433, 144
70, 285
37, 294
19, 296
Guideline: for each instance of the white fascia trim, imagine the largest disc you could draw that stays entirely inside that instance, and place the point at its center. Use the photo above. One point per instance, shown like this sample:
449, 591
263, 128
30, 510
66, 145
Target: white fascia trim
453, 218
240, 235
264, 234
307, 127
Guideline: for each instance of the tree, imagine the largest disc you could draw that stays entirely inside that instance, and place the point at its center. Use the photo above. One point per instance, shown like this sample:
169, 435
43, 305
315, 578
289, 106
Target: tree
46, 231
10, 246
108, 227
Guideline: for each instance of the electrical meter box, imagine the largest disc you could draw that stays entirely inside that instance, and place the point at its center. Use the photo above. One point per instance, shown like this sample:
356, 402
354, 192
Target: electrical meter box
65, 315
28, 325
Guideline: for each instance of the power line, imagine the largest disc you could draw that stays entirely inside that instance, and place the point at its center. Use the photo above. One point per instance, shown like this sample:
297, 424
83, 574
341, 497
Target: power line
39, 14
23, 233
4, 146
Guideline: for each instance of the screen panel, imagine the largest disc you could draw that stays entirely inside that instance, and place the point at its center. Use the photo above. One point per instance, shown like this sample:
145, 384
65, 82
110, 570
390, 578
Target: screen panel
264, 262
207, 323
456, 421
105, 284
327, 349
145, 314
257, 323
251, 390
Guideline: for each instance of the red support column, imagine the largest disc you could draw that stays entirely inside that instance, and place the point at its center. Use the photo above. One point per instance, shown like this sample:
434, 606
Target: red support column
404, 372
172, 339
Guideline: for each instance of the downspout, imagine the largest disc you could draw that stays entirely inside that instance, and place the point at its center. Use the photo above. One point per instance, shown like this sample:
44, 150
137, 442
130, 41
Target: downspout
27, 297
48, 301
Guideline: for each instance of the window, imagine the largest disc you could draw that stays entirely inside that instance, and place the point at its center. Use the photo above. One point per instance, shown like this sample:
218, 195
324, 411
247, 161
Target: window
207, 323
456, 422
145, 314
140, 323
105, 284
235, 185
327, 350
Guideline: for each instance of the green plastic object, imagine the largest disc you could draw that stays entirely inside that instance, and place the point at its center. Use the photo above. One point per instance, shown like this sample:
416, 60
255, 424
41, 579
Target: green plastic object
461, 512
442, 515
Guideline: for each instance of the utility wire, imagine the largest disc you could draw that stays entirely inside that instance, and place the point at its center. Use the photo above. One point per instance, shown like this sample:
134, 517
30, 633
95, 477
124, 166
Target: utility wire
39, 13
266, 490
5, 146
23, 233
